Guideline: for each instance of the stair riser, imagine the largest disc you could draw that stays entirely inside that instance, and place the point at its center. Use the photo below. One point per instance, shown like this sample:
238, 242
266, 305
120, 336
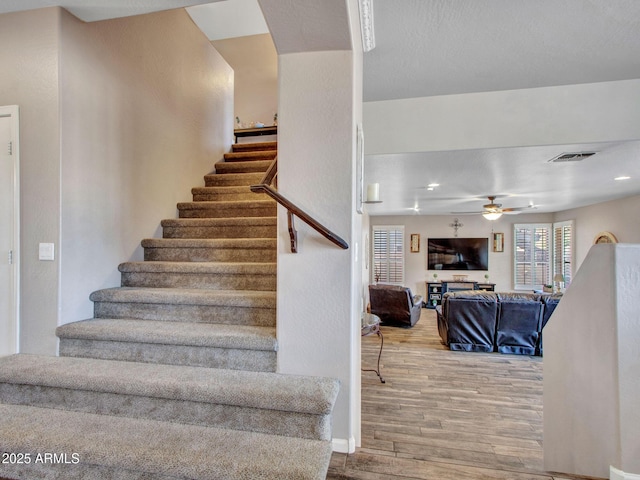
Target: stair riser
217, 281
231, 180
228, 212
228, 197
269, 231
254, 146
292, 424
193, 356
242, 167
231, 315
210, 254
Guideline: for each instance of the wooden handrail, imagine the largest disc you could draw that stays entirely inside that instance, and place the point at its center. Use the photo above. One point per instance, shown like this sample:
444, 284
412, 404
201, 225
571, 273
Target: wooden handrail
265, 187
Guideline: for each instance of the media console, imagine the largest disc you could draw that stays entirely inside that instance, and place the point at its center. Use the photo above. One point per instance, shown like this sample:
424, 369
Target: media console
435, 290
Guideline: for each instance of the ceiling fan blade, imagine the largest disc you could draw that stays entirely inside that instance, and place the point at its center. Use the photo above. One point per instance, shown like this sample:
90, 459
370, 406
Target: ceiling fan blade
518, 209
467, 213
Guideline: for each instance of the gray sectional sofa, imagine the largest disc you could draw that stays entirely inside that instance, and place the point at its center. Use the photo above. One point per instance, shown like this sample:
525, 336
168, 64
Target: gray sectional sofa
479, 321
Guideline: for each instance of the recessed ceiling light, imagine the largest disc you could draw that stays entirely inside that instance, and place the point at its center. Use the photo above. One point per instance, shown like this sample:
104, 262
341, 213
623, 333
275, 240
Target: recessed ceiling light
433, 185
622, 177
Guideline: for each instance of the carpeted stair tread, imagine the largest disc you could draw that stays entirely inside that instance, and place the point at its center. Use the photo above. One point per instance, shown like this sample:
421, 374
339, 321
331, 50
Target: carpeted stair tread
128, 448
225, 204
184, 296
228, 249
252, 146
270, 391
220, 222
232, 179
234, 208
208, 268
227, 243
223, 193
244, 337
221, 227
250, 156
203, 275
247, 166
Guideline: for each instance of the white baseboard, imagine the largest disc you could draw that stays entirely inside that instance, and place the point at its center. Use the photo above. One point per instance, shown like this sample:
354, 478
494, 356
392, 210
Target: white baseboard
344, 445
615, 474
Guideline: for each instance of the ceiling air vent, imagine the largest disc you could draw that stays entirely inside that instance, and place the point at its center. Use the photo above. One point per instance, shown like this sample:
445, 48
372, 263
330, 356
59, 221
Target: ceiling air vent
571, 157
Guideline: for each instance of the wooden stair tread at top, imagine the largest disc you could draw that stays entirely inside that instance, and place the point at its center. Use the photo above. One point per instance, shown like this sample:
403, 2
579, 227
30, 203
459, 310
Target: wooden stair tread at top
245, 337
120, 447
244, 147
313, 395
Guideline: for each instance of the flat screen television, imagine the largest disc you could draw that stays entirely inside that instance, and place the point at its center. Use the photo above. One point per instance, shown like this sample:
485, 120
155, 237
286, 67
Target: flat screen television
458, 254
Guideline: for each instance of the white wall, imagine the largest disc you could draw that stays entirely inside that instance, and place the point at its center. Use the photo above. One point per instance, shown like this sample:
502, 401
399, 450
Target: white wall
144, 116
320, 91
568, 114
437, 226
316, 321
255, 66
29, 79
617, 217
591, 368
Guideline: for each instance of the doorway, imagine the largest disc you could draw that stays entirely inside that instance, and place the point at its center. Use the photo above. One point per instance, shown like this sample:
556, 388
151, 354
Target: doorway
9, 230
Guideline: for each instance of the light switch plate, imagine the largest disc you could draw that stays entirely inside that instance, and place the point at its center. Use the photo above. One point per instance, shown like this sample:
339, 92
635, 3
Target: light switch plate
46, 251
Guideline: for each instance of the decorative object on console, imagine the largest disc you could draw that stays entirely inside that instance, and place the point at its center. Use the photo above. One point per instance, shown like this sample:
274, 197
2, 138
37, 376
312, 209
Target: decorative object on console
558, 278
605, 237
460, 278
415, 242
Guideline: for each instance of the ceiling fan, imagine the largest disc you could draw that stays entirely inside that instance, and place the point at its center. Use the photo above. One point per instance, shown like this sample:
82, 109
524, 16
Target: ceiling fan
493, 211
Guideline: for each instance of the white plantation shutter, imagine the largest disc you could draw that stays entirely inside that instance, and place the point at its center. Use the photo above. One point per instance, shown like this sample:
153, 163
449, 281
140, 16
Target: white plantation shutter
388, 254
563, 250
532, 256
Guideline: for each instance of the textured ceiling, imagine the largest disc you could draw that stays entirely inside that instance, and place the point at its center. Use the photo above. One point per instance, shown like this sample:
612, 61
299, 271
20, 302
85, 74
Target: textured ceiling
440, 47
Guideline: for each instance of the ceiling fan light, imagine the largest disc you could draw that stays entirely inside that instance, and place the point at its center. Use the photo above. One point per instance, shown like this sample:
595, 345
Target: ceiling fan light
492, 215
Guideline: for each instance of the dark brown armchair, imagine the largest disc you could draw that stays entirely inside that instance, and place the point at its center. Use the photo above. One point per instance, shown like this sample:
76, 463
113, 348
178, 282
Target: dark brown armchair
395, 305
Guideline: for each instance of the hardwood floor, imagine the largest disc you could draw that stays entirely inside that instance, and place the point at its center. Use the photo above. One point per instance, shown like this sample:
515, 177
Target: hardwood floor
446, 415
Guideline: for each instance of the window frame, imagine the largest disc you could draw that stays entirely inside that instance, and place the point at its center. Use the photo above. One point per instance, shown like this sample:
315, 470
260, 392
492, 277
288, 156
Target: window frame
533, 285
560, 261
387, 277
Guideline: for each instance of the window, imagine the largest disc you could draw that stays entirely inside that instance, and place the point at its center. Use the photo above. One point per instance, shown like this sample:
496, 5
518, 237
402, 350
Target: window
538, 256
388, 254
563, 250
532, 255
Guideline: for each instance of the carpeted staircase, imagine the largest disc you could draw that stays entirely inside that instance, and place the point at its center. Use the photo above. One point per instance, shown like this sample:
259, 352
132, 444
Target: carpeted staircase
175, 377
